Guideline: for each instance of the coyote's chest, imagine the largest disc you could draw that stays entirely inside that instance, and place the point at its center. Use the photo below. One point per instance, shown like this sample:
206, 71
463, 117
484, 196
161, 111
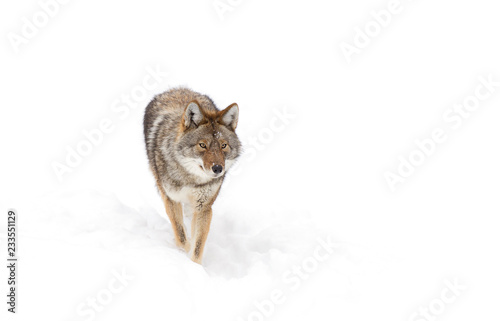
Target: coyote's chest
196, 196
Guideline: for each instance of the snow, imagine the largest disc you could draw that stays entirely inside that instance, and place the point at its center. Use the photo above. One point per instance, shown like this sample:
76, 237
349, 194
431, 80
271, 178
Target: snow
245, 251
318, 133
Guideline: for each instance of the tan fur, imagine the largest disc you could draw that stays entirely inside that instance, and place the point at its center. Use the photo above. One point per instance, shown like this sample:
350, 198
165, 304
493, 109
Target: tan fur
174, 212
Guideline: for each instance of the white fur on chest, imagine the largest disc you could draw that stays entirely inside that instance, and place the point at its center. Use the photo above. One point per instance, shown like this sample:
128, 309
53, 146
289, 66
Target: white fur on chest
183, 195
192, 195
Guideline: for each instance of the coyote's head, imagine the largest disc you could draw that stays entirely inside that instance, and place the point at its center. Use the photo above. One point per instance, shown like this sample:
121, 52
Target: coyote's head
206, 140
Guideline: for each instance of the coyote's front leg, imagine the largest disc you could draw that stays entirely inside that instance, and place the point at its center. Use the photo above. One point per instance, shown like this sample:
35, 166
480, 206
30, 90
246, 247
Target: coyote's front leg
174, 212
200, 226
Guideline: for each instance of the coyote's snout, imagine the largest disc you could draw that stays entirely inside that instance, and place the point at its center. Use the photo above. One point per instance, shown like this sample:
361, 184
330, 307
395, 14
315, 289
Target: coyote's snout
190, 146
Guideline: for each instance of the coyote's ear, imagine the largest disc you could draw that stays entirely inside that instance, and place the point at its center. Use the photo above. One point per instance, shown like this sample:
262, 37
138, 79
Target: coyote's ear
229, 116
192, 115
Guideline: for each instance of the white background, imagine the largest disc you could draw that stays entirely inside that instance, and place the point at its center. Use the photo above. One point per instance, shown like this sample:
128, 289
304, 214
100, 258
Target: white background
320, 175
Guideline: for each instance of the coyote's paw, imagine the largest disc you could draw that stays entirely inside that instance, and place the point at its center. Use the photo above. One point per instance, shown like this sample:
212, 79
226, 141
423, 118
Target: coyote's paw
195, 258
186, 246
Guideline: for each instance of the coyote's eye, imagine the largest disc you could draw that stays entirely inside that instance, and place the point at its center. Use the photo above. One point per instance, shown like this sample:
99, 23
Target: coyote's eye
202, 145
223, 146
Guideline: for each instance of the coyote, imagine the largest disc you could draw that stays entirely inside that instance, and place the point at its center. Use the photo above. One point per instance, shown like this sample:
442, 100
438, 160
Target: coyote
190, 146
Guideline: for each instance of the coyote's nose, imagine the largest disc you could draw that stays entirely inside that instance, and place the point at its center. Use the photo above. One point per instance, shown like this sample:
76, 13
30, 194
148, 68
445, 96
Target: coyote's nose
217, 169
